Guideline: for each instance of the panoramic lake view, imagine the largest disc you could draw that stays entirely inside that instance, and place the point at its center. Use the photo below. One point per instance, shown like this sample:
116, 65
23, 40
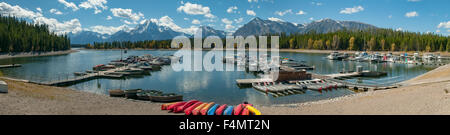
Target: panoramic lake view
217, 86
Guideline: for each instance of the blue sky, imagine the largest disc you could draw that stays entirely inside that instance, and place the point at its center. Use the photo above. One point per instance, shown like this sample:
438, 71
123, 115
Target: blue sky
108, 16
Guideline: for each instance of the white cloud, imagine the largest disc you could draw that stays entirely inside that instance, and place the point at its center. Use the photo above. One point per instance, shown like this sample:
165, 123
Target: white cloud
444, 25
413, 0
411, 14
232, 9
275, 19
39, 9
106, 29
109, 18
54, 25
251, 12
316, 3
352, 10
239, 20
127, 13
282, 13
437, 31
195, 21
55, 11
399, 29
97, 5
301, 12
228, 24
311, 18
69, 4
186, 19
195, 9
17, 11
250, 1
390, 16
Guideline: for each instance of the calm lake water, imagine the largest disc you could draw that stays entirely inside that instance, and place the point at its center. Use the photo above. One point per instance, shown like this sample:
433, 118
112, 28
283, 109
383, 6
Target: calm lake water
216, 86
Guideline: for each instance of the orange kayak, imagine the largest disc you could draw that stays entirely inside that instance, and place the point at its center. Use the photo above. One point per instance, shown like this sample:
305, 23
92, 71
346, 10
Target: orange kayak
206, 108
196, 111
188, 110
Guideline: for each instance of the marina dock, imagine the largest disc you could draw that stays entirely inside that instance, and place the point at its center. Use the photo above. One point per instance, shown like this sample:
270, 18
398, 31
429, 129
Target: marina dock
250, 81
10, 66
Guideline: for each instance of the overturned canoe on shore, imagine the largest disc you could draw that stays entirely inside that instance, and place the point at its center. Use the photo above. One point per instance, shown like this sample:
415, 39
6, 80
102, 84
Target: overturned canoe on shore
116, 93
171, 97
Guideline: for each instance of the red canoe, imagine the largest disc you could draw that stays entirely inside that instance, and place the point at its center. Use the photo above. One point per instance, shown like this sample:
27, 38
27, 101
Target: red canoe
220, 110
238, 109
188, 110
164, 106
172, 107
180, 109
245, 111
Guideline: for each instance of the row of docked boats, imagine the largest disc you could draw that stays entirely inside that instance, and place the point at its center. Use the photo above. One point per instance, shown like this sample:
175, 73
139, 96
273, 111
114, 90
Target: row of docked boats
146, 95
278, 89
385, 57
195, 107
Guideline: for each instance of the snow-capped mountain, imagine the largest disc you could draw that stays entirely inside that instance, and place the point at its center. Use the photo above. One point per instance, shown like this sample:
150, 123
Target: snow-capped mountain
150, 30
257, 26
145, 31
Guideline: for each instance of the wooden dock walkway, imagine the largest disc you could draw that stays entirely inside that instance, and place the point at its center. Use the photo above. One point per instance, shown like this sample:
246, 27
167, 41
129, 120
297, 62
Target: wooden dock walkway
10, 66
250, 81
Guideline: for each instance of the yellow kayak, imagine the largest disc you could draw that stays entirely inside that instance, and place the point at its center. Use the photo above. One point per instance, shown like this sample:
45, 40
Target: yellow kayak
253, 110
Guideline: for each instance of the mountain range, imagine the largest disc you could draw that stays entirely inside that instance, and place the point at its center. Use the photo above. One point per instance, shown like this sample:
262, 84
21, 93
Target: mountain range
152, 31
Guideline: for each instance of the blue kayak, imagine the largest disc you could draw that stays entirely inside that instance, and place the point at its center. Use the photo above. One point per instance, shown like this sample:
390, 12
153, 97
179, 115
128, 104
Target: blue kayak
228, 111
212, 110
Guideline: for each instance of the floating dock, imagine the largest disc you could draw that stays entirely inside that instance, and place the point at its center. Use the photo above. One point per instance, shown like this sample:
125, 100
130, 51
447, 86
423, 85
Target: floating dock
10, 66
250, 81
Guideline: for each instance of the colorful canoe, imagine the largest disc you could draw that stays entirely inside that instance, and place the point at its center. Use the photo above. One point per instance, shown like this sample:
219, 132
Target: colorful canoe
164, 106
238, 109
188, 110
196, 111
253, 110
171, 107
180, 109
245, 111
228, 111
212, 110
206, 108
220, 109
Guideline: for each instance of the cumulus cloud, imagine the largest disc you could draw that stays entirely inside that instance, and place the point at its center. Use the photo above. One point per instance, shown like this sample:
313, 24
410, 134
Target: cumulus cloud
301, 12
232, 9
411, 14
444, 25
250, 1
109, 18
106, 29
69, 4
195, 9
352, 10
228, 24
97, 5
316, 3
127, 13
54, 25
55, 11
275, 19
282, 13
251, 12
239, 20
17, 11
39, 9
195, 21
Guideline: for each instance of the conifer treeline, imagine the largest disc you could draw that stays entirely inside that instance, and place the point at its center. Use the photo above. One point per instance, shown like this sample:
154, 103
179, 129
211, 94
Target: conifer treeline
367, 40
19, 36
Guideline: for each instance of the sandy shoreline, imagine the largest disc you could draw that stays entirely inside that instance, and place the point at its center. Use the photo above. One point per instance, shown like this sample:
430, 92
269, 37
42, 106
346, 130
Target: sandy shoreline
35, 54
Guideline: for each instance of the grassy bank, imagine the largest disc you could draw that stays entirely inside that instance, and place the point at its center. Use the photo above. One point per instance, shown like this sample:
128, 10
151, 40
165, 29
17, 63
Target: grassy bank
35, 54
